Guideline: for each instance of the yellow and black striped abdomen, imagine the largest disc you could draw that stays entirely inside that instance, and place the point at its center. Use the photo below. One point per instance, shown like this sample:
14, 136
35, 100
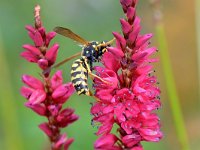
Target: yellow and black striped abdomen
79, 77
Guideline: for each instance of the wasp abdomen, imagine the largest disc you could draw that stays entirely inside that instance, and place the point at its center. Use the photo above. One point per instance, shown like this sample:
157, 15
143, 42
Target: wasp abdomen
79, 76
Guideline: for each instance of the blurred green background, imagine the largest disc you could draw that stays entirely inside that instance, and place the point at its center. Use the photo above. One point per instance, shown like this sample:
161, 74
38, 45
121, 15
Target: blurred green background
93, 20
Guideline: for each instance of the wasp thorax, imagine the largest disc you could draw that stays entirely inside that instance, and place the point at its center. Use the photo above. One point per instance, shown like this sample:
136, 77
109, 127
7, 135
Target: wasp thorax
94, 50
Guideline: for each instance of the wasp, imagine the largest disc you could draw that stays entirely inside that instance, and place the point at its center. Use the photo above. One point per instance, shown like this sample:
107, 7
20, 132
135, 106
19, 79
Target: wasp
82, 68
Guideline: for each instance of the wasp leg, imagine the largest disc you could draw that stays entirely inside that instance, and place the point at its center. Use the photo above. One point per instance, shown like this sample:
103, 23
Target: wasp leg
92, 76
61, 63
90, 94
107, 43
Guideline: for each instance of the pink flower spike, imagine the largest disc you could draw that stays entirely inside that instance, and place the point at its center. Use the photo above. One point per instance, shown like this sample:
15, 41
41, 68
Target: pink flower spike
131, 101
54, 109
38, 108
62, 139
51, 54
125, 4
42, 31
111, 62
68, 143
144, 70
150, 50
49, 37
43, 64
131, 14
35, 51
120, 41
63, 92
29, 56
116, 51
107, 141
133, 35
56, 80
37, 97
47, 95
126, 27
143, 39
66, 117
150, 134
32, 82
107, 75
37, 38
30, 28
131, 140
26, 91
46, 129
105, 128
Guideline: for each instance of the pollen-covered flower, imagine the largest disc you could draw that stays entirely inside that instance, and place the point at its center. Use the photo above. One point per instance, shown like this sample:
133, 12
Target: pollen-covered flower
47, 95
133, 96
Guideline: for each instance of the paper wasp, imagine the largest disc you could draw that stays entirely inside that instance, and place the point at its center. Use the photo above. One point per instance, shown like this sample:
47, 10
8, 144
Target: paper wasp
82, 67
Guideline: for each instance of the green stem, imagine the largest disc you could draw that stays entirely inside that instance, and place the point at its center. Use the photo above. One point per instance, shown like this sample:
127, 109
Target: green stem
197, 15
9, 120
171, 88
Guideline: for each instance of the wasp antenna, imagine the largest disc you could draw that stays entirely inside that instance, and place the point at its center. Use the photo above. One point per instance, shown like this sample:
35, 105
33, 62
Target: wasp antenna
110, 42
107, 43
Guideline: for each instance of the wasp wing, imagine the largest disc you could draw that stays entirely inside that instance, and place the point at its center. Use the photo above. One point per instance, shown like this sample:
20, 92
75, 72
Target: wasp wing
68, 33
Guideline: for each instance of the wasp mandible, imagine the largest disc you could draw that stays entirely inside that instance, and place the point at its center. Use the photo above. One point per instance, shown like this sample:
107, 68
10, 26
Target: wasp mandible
82, 67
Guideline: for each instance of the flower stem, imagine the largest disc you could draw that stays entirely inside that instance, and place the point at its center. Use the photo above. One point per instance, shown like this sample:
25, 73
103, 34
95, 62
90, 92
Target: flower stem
171, 88
197, 15
169, 78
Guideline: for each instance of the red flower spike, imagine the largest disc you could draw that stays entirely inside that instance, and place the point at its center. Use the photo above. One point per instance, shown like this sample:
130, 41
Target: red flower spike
143, 39
106, 142
30, 28
63, 92
126, 27
110, 61
66, 117
32, 82
130, 102
120, 41
43, 64
37, 38
37, 97
68, 143
55, 109
42, 31
115, 51
40, 109
52, 54
26, 91
29, 56
131, 140
62, 139
32, 49
131, 14
56, 80
46, 97
125, 4
49, 37
46, 129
